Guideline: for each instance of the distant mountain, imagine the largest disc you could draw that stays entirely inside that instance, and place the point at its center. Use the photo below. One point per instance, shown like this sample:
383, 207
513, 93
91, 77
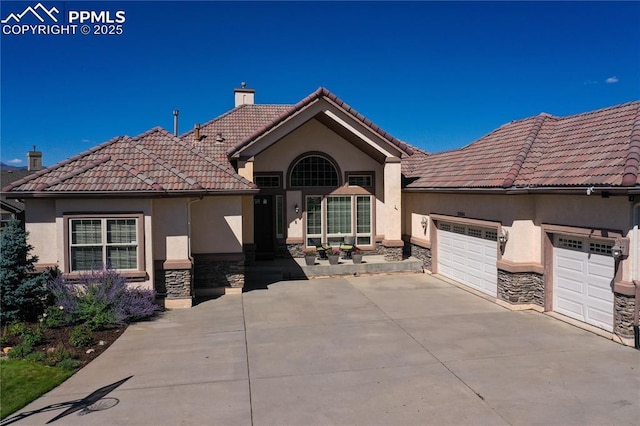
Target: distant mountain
10, 167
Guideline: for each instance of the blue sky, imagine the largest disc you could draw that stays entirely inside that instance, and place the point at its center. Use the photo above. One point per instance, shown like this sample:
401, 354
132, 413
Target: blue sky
435, 74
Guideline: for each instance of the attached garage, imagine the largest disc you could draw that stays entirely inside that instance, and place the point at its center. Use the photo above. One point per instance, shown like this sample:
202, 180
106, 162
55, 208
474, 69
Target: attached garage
583, 273
468, 254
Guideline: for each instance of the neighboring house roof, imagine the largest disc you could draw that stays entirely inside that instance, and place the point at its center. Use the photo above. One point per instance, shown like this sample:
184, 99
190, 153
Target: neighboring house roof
597, 148
155, 162
7, 177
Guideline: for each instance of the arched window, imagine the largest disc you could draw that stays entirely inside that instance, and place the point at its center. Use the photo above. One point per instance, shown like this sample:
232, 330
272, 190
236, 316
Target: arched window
314, 170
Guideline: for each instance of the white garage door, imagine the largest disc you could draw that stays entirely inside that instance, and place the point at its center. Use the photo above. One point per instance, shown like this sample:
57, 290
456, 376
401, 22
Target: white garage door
468, 255
583, 272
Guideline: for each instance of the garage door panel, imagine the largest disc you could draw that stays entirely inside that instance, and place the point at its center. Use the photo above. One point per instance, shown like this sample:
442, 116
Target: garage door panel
468, 259
570, 307
570, 286
582, 282
602, 293
571, 264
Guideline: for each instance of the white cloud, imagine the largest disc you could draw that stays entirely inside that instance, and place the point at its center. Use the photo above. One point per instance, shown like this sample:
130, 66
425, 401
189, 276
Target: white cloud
15, 161
612, 80
85, 141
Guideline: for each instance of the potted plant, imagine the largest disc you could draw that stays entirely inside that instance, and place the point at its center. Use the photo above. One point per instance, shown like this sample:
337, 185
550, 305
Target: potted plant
334, 255
310, 257
356, 255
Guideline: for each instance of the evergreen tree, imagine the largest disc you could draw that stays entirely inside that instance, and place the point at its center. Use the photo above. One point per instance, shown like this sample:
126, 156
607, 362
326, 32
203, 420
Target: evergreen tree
22, 293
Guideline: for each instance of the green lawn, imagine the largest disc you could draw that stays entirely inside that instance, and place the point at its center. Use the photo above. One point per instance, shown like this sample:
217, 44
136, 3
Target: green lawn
23, 381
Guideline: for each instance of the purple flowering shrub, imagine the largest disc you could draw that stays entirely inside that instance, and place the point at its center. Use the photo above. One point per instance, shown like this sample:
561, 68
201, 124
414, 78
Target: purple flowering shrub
101, 299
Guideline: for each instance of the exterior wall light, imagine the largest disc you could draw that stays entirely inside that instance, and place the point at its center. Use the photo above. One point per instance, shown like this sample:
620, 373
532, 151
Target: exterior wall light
424, 222
503, 237
620, 248
297, 209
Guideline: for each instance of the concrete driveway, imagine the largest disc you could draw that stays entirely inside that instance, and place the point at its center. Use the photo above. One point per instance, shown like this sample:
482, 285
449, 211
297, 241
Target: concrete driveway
389, 350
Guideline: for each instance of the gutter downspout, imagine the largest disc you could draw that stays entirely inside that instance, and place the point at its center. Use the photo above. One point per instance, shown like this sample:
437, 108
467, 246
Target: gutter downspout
189, 203
634, 276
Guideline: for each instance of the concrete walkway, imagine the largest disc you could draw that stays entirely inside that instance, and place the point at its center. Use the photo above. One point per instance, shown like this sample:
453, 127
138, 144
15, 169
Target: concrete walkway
383, 350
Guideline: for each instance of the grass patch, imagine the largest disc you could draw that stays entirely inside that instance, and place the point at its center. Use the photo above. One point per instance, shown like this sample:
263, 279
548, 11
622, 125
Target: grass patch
23, 381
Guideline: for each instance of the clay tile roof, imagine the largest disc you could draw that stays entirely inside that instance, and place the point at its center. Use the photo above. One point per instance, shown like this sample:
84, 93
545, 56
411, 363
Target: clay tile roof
321, 92
595, 148
153, 162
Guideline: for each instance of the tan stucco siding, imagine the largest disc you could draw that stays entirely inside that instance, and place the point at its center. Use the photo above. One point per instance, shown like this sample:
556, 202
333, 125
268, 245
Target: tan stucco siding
523, 216
40, 218
171, 228
313, 136
216, 225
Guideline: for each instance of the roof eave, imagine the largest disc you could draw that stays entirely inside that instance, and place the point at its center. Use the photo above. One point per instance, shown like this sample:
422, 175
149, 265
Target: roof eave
129, 194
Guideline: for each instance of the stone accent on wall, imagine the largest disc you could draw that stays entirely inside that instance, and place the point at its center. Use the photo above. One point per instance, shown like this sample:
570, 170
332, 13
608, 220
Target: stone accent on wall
421, 253
521, 287
623, 315
174, 283
219, 273
295, 250
392, 254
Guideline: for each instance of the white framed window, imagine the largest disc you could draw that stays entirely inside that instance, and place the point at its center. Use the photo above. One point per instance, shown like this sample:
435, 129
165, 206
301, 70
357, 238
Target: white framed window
98, 242
314, 218
333, 217
363, 220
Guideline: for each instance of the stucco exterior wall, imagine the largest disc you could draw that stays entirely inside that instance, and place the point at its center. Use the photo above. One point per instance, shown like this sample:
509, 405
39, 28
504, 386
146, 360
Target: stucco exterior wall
216, 225
314, 136
40, 222
522, 216
170, 228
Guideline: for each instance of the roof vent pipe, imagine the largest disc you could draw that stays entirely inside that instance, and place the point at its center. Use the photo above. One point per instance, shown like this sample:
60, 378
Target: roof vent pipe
176, 113
196, 132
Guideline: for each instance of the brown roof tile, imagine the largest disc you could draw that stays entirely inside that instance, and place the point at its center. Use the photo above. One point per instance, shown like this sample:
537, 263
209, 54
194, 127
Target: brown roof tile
154, 161
595, 148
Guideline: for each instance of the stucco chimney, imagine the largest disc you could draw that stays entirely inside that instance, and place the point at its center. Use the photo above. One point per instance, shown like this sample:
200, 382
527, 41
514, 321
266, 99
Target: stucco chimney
243, 95
34, 160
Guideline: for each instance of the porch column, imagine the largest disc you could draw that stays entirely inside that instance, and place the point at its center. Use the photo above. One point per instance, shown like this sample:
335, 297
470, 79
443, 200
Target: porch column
392, 242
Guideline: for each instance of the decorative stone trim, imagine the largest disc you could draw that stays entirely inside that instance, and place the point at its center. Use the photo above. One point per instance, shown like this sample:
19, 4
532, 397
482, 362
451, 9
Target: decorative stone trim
212, 271
422, 253
392, 254
521, 287
174, 283
295, 250
623, 315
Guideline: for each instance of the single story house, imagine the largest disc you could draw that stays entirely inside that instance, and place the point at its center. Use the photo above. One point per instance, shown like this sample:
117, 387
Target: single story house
541, 213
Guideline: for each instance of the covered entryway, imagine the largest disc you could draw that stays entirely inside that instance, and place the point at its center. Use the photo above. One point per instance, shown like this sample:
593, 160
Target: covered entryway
582, 276
468, 254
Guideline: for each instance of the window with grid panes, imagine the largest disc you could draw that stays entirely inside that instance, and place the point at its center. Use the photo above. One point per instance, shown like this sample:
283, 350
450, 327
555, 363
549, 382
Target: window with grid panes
314, 171
96, 243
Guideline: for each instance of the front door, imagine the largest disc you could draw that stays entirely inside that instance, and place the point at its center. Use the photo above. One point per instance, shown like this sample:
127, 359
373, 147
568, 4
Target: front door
263, 226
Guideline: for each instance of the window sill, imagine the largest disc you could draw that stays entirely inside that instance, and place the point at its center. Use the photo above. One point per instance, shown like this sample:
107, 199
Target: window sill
129, 275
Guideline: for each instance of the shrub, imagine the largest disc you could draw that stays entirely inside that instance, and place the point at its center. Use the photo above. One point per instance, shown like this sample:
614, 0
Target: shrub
80, 336
20, 350
55, 316
69, 364
37, 356
24, 294
101, 299
55, 355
